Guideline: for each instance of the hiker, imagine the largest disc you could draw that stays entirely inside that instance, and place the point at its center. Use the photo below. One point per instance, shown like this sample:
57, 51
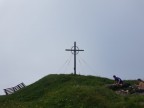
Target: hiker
118, 80
140, 86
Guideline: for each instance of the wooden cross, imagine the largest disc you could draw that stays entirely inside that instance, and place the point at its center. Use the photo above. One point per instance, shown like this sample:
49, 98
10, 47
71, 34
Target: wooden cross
74, 50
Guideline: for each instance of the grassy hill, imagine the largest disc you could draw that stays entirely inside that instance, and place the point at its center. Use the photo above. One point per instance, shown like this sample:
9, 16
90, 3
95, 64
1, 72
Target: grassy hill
70, 91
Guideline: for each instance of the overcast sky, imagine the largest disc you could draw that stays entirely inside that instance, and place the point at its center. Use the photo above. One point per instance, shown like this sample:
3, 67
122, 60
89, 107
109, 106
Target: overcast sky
35, 33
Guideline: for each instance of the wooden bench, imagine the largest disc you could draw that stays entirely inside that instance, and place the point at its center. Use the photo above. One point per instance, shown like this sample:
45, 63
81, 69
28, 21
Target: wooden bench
12, 90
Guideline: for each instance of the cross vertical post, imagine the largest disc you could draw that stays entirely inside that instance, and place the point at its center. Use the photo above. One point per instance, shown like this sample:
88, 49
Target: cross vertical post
75, 58
74, 50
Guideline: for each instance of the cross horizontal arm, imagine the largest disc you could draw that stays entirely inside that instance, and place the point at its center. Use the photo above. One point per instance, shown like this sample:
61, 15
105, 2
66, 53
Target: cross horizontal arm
73, 50
77, 50
68, 50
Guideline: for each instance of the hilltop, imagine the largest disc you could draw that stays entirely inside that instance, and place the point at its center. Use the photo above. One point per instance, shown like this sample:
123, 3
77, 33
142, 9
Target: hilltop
70, 91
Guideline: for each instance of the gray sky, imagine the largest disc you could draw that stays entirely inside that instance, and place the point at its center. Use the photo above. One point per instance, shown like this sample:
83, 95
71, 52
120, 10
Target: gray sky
35, 33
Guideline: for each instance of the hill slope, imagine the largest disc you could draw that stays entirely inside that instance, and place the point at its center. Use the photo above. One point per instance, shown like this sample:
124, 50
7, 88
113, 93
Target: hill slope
70, 91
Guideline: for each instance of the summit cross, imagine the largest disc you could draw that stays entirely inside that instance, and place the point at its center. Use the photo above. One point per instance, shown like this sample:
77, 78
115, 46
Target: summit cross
74, 50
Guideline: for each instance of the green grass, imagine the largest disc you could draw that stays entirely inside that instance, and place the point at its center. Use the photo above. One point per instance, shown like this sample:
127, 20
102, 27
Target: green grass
70, 91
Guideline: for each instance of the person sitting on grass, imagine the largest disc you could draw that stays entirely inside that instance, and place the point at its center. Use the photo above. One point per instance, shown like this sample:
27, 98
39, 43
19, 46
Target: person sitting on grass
118, 80
140, 86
